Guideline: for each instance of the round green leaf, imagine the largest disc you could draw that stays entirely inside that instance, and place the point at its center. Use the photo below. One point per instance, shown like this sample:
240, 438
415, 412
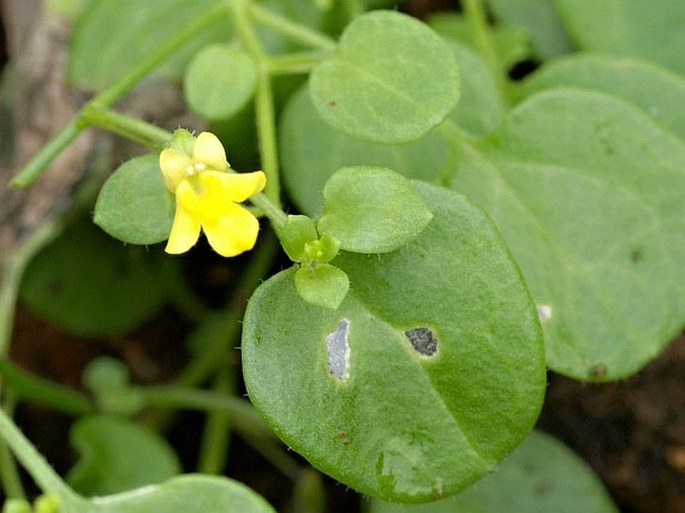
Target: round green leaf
312, 151
185, 494
322, 285
629, 28
118, 455
390, 80
589, 193
219, 81
372, 210
91, 285
134, 205
430, 371
541, 476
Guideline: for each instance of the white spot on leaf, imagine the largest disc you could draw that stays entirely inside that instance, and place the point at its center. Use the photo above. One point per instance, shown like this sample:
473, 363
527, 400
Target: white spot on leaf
339, 350
544, 313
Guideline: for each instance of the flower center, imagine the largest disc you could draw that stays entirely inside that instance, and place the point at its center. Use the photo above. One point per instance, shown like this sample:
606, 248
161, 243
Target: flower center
195, 168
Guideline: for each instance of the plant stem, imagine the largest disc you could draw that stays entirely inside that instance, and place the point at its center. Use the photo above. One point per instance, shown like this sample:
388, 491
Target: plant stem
33, 169
47, 393
145, 134
44, 475
294, 63
264, 101
217, 429
291, 29
243, 417
482, 35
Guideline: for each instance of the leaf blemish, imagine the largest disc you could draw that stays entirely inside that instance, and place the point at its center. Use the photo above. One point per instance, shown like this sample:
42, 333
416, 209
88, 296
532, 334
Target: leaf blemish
544, 312
338, 349
422, 340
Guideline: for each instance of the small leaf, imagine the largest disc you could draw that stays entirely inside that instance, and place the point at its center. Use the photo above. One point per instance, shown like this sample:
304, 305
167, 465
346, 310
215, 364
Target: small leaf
134, 205
322, 285
219, 81
390, 80
118, 455
298, 230
542, 475
405, 422
649, 30
372, 210
189, 493
92, 285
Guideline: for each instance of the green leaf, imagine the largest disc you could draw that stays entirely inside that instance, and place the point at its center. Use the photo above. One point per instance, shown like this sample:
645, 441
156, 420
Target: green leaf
134, 205
219, 81
91, 285
589, 193
629, 28
656, 90
115, 35
296, 233
429, 372
322, 285
118, 455
312, 150
390, 80
542, 475
185, 494
540, 20
372, 210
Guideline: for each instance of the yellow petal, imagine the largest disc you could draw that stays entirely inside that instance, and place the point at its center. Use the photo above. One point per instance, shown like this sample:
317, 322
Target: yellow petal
174, 166
234, 232
184, 231
236, 186
209, 150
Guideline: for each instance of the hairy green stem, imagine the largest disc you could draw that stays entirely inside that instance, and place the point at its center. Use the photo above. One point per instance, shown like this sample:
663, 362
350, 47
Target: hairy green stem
294, 63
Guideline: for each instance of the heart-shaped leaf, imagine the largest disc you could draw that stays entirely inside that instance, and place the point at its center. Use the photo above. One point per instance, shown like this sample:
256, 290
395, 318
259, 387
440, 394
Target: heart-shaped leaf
429, 372
118, 455
390, 80
590, 195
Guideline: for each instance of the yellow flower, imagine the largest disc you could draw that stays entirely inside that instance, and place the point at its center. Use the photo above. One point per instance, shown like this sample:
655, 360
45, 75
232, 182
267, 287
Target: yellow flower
207, 198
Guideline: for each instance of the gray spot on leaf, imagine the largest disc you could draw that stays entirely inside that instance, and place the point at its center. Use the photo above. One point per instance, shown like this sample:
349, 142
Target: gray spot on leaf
338, 349
422, 340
